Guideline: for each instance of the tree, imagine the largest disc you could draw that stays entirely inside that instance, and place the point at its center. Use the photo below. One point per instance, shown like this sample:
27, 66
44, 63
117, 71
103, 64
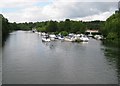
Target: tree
64, 33
111, 28
67, 25
5, 27
52, 26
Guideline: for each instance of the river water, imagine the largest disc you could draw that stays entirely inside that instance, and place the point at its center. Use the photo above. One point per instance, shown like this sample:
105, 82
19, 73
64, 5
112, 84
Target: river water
28, 60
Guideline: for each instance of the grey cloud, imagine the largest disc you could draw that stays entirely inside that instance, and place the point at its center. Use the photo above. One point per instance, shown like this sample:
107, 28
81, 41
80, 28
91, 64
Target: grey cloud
83, 9
62, 10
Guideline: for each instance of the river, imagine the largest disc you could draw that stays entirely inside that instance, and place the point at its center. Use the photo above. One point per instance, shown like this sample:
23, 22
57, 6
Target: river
28, 60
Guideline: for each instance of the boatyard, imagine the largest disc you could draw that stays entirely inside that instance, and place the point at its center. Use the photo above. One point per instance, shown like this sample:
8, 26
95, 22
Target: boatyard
71, 37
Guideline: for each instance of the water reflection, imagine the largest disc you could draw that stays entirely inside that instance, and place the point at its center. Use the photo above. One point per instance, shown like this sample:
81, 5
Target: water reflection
28, 60
51, 45
112, 54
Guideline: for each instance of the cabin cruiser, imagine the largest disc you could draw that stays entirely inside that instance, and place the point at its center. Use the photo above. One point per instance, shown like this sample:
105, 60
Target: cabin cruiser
84, 38
68, 39
60, 37
98, 37
52, 37
43, 34
45, 39
34, 30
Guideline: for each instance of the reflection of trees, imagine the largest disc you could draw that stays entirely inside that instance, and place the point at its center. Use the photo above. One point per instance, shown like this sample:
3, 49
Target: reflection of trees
113, 56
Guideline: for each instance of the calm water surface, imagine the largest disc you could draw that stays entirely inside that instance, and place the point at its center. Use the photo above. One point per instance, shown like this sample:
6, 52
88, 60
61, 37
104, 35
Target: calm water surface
28, 60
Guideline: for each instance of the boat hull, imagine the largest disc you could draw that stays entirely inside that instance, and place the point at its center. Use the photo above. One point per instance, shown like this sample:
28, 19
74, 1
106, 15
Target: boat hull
45, 39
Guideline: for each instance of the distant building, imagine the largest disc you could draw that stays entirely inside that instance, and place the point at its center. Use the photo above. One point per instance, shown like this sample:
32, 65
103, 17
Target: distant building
91, 33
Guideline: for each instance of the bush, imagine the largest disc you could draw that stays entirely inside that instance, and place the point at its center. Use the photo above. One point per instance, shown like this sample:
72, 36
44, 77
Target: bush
41, 29
64, 33
112, 36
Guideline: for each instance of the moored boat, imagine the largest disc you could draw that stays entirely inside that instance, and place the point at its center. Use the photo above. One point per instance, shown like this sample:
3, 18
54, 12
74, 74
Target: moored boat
60, 37
98, 37
52, 37
67, 39
84, 38
45, 39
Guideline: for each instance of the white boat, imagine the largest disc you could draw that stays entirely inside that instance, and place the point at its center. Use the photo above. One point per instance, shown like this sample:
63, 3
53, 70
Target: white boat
71, 34
39, 33
43, 34
52, 37
68, 40
98, 37
45, 39
60, 38
34, 30
84, 38
90, 35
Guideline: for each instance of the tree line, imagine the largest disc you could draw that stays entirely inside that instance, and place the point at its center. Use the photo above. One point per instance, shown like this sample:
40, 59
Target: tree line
67, 26
5, 27
111, 29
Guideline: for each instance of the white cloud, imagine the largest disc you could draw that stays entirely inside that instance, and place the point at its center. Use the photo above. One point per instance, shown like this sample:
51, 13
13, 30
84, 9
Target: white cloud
57, 10
18, 3
102, 16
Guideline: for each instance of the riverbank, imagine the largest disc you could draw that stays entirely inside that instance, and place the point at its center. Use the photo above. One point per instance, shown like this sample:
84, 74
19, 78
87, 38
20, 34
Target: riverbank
111, 43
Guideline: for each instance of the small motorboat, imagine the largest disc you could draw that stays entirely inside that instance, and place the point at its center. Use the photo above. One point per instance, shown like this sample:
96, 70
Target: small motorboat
60, 37
84, 38
67, 39
45, 39
98, 37
52, 37
34, 30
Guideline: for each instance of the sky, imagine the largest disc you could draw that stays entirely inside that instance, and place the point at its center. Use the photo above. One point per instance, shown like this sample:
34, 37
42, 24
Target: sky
44, 10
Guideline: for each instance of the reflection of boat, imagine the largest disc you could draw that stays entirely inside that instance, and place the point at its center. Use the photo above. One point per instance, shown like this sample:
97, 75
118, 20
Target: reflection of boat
45, 39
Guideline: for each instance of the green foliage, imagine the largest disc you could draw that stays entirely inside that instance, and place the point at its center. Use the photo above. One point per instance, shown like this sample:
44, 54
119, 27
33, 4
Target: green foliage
67, 25
41, 29
111, 28
5, 27
24, 26
111, 36
94, 25
52, 26
64, 33
56, 33
78, 26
